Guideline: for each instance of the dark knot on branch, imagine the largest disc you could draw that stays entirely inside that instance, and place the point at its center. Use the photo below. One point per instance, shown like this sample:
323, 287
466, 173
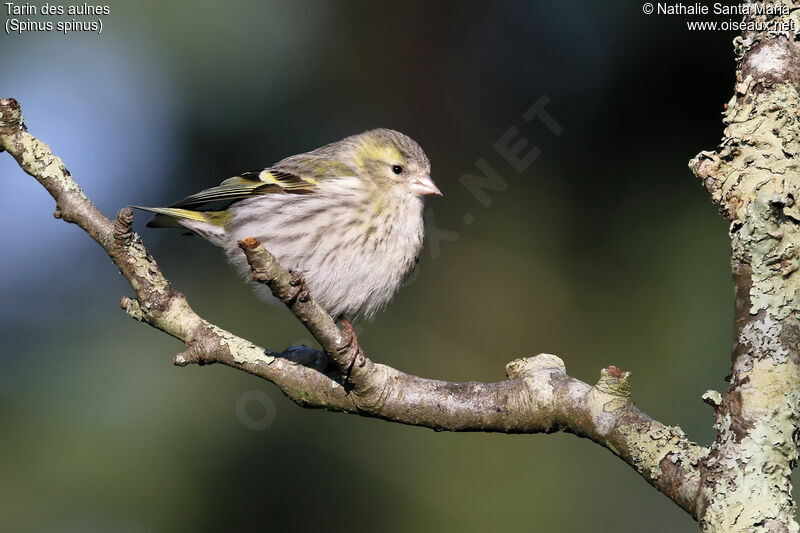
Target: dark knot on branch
10, 116
122, 227
199, 352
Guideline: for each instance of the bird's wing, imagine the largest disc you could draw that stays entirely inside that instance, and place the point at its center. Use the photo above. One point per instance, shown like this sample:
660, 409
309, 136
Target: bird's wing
250, 184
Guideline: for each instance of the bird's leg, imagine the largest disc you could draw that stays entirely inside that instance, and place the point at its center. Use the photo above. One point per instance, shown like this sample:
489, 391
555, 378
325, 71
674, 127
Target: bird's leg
350, 341
299, 290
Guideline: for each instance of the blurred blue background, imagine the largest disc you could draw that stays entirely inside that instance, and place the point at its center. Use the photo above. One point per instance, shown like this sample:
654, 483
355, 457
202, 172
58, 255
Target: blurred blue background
612, 251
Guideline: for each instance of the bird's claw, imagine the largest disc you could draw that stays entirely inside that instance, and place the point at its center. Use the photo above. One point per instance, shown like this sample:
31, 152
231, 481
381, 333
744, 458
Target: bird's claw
299, 290
350, 342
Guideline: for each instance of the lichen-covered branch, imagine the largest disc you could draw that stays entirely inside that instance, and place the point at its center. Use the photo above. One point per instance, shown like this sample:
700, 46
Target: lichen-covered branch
754, 176
537, 397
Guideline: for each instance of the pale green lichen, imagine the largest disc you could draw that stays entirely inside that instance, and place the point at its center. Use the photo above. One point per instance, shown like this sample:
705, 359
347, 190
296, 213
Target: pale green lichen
650, 446
772, 242
763, 339
133, 308
755, 178
756, 480
145, 267
757, 472
758, 183
242, 350
37, 159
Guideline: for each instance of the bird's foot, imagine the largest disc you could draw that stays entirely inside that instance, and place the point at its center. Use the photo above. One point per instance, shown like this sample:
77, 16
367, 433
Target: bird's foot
299, 289
350, 342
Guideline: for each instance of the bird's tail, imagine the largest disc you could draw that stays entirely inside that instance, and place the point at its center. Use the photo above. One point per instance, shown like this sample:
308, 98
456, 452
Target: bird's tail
200, 222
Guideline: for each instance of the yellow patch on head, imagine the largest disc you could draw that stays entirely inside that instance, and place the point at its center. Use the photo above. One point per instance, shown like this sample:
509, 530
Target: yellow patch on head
370, 149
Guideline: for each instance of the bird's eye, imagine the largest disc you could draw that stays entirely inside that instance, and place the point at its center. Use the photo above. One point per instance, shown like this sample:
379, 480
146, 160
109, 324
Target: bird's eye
397, 169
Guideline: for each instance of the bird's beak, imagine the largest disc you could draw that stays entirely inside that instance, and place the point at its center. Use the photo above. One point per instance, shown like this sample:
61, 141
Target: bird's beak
424, 186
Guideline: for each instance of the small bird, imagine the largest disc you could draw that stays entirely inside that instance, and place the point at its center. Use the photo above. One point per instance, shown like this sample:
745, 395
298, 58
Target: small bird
347, 217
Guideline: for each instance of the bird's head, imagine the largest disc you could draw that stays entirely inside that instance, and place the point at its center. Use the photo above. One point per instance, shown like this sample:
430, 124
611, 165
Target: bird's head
392, 159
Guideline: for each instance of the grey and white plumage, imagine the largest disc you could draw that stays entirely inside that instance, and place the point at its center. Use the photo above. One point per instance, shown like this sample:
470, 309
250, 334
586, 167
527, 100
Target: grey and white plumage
348, 216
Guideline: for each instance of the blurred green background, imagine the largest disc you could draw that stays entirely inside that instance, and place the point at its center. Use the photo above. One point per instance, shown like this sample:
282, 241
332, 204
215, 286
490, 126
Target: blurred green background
611, 249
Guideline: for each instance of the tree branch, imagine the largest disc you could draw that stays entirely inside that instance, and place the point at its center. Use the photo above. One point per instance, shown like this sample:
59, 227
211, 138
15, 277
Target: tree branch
754, 177
538, 397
